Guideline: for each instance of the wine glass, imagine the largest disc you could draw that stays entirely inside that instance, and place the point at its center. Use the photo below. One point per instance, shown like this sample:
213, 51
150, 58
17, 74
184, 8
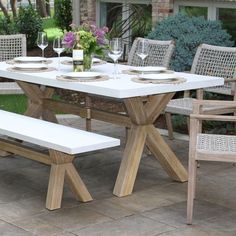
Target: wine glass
142, 50
115, 52
58, 47
42, 41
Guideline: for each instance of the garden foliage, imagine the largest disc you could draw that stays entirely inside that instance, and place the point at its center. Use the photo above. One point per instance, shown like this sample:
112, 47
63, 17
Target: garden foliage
188, 33
29, 23
7, 26
63, 14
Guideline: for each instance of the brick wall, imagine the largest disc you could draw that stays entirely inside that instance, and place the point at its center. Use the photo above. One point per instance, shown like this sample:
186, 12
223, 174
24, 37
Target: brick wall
87, 11
161, 9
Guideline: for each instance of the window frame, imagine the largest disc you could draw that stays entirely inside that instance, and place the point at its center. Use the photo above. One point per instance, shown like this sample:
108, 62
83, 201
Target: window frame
212, 6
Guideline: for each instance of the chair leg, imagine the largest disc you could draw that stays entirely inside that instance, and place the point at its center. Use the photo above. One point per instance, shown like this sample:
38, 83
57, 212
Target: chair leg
191, 189
88, 116
169, 125
188, 123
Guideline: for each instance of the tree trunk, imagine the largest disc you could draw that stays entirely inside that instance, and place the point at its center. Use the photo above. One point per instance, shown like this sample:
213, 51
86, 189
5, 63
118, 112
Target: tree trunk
48, 9
4, 9
41, 7
13, 7
30, 2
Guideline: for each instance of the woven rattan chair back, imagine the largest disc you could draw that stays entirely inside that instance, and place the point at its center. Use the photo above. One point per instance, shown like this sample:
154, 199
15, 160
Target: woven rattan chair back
216, 61
160, 53
12, 46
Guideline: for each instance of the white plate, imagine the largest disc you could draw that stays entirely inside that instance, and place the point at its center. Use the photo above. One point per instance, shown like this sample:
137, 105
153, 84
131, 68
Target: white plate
158, 76
149, 68
84, 75
30, 66
30, 59
96, 60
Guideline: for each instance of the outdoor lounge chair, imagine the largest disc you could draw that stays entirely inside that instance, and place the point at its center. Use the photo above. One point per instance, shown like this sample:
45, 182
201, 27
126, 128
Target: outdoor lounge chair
209, 60
207, 147
11, 46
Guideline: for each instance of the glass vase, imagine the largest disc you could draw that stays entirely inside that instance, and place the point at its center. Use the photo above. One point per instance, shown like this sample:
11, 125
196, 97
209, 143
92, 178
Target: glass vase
87, 61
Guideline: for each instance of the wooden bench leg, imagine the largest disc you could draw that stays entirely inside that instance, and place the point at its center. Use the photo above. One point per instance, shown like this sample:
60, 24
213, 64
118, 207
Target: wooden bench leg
62, 166
76, 184
55, 187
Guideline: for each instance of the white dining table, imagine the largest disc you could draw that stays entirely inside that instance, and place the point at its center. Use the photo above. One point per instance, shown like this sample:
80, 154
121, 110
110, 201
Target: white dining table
39, 88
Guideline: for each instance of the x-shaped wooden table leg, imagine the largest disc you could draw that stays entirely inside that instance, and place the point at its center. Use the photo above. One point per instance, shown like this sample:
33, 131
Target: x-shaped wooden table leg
142, 132
35, 95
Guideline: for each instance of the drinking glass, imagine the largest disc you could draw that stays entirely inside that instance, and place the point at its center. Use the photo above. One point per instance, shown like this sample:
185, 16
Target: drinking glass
142, 49
115, 52
42, 41
58, 47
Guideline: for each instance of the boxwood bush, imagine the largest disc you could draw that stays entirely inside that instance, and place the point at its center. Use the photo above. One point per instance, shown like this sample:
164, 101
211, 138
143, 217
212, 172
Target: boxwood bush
63, 14
29, 23
188, 33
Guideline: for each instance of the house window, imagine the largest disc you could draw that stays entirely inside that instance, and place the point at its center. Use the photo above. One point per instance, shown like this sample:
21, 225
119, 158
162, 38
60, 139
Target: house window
228, 18
126, 19
224, 11
194, 11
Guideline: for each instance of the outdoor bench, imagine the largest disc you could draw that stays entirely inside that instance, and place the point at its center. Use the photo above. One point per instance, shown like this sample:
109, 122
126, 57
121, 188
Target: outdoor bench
63, 143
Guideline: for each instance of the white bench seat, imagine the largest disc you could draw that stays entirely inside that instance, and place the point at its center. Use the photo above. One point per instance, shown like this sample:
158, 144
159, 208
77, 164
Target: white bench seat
54, 136
62, 141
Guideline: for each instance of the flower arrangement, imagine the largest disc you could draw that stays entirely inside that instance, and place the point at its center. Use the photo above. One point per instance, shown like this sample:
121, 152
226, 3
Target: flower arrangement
92, 39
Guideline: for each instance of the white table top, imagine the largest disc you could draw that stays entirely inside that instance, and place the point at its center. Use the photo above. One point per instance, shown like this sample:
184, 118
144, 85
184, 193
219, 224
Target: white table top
123, 87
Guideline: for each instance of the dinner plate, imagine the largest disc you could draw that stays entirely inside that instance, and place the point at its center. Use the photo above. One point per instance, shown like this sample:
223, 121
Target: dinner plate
30, 66
69, 61
158, 76
96, 60
149, 68
84, 75
29, 59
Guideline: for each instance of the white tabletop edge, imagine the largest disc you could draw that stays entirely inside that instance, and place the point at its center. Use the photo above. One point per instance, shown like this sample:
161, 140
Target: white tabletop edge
119, 88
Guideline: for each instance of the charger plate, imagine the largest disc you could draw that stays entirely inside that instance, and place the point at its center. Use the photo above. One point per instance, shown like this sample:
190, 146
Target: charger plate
74, 79
176, 80
46, 69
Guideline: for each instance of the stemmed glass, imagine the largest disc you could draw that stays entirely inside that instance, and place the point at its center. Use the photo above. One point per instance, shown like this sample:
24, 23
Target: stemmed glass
115, 52
42, 41
142, 50
58, 47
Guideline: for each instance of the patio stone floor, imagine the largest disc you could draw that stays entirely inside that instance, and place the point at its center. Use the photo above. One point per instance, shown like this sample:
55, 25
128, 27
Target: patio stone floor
156, 207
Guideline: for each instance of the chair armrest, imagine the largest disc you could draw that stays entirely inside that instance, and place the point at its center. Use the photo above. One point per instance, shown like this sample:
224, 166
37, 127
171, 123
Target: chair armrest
198, 110
230, 80
214, 103
213, 117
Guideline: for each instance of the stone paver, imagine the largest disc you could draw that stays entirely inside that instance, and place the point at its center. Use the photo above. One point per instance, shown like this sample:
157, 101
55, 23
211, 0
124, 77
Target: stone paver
156, 207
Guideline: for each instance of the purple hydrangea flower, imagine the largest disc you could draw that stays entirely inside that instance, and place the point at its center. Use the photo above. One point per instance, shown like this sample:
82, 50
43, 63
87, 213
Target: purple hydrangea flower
100, 33
69, 39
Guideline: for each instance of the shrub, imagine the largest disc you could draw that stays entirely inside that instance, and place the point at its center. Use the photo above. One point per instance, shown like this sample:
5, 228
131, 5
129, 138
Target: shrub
29, 23
189, 33
7, 26
63, 14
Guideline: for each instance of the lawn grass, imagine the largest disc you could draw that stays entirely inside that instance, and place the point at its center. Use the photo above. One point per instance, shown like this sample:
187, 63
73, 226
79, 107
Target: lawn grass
17, 103
13, 103
51, 29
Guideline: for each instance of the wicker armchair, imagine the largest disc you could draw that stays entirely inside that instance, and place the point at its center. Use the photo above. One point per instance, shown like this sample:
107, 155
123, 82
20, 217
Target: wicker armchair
207, 147
11, 46
209, 60
160, 53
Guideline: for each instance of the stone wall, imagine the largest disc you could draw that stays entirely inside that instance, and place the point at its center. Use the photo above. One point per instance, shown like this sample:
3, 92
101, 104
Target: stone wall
87, 11
161, 9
